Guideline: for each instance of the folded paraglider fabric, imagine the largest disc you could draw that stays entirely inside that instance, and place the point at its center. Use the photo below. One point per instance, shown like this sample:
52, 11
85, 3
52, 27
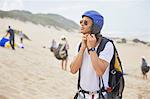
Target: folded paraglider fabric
4, 42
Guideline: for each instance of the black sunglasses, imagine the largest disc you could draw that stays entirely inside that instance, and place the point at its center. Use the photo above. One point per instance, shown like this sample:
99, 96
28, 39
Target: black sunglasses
84, 22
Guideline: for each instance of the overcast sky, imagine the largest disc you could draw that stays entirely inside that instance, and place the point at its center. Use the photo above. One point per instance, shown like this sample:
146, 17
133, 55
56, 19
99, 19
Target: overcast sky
122, 17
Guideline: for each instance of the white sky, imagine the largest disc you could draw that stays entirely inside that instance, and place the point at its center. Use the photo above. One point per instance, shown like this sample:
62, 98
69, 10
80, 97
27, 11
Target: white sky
126, 17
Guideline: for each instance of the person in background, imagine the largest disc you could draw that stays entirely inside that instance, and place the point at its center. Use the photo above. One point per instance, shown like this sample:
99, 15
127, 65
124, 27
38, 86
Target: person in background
21, 37
11, 34
144, 68
64, 50
53, 45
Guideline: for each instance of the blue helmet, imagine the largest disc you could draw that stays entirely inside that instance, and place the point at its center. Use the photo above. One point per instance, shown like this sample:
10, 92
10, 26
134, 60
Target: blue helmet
97, 19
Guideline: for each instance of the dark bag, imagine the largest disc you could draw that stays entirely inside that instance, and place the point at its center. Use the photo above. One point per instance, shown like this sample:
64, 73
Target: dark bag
60, 53
116, 79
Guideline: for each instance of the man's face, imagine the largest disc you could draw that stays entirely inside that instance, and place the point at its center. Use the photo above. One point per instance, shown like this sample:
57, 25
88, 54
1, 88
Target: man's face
86, 24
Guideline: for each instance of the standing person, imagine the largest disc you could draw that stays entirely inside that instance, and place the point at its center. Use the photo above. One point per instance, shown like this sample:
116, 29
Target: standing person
21, 37
64, 52
92, 67
10, 31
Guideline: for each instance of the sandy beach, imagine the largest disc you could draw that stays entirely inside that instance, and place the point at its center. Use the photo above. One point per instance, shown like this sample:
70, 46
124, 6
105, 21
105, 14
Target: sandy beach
34, 72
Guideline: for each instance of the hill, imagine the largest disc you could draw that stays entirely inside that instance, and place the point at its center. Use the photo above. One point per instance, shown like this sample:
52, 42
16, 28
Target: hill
49, 20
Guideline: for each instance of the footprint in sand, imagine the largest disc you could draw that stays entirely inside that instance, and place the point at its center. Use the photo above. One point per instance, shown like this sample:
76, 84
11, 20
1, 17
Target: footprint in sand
3, 97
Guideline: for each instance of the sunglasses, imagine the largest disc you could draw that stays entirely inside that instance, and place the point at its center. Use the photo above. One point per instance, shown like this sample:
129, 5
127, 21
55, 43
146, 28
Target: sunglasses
84, 22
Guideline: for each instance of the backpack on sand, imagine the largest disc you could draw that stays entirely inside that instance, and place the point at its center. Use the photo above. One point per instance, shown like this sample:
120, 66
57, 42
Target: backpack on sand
116, 79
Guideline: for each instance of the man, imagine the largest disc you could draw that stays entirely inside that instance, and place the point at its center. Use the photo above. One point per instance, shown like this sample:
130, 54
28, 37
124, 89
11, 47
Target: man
91, 66
11, 37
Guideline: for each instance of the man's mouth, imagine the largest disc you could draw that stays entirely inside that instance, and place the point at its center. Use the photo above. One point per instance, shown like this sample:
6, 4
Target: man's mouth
82, 28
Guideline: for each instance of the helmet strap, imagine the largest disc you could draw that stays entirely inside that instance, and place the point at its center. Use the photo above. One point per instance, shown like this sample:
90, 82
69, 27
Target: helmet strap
98, 36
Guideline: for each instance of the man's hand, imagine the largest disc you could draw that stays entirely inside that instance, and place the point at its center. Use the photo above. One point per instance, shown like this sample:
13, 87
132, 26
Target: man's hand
91, 41
84, 42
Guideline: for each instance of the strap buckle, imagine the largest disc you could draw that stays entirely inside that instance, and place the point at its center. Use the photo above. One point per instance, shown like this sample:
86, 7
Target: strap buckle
93, 93
109, 89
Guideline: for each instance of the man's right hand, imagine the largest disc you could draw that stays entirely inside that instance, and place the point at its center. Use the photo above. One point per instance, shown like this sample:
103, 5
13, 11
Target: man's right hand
84, 42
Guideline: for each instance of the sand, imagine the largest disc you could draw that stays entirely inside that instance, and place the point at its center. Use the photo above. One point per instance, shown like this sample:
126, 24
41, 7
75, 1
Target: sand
34, 72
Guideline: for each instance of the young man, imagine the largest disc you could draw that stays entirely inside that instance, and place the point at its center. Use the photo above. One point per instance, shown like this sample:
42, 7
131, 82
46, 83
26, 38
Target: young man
10, 31
91, 66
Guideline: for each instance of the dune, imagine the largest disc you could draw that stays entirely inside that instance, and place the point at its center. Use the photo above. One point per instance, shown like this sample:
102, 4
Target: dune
34, 73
